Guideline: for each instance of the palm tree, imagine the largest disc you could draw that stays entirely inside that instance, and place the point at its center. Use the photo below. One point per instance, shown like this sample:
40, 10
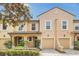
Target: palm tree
13, 13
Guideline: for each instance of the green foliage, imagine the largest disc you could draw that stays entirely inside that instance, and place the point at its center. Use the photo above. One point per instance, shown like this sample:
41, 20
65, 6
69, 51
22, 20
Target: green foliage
20, 53
77, 43
8, 44
37, 43
2, 53
76, 47
21, 42
19, 47
14, 12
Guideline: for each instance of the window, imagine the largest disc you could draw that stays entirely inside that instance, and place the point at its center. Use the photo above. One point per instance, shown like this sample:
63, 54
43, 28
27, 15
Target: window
76, 27
29, 38
33, 26
21, 27
64, 24
4, 26
47, 25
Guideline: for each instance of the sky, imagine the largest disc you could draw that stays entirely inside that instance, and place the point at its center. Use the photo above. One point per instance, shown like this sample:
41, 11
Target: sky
38, 8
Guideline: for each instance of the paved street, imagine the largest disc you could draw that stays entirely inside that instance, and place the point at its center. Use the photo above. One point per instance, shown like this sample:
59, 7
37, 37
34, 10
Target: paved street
52, 52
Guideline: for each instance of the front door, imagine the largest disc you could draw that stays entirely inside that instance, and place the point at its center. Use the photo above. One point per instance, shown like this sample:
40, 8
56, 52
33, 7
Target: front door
77, 38
18, 41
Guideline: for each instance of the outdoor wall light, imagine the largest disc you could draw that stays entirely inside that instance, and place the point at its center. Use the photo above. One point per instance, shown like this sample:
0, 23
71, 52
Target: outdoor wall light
47, 35
64, 35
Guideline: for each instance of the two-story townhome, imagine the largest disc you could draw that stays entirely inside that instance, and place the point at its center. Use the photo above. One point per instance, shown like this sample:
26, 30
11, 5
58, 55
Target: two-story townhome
55, 28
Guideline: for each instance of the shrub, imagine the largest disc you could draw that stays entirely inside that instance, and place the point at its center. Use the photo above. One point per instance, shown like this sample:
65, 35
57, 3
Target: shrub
20, 53
37, 43
2, 53
8, 44
21, 42
76, 45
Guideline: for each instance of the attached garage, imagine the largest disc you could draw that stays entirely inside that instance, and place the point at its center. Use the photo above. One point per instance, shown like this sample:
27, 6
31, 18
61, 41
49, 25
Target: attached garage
47, 43
65, 42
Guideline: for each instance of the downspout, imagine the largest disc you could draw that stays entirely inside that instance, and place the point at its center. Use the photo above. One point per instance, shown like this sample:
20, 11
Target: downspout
11, 40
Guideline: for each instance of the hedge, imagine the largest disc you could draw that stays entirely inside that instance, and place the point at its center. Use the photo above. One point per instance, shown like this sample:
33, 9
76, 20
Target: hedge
19, 53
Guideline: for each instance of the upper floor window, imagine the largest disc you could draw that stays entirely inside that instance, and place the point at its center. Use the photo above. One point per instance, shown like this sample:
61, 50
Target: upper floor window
76, 27
21, 27
4, 26
64, 24
33, 26
47, 25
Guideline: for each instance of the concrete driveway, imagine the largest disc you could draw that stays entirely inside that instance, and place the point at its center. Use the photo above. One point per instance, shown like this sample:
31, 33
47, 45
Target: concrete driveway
48, 52
52, 52
71, 52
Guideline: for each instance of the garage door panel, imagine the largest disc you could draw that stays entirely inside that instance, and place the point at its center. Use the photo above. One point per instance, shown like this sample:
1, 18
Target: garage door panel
48, 43
65, 42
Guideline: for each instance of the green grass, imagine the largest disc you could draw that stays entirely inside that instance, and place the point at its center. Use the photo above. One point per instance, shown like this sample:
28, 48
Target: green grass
19, 47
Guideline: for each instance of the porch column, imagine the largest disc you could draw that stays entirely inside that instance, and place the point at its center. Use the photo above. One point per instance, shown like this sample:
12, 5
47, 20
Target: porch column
25, 39
74, 39
13, 45
40, 38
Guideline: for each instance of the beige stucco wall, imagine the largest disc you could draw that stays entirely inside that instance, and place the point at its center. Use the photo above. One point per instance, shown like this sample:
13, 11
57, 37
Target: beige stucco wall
59, 15
4, 33
30, 26
55, 31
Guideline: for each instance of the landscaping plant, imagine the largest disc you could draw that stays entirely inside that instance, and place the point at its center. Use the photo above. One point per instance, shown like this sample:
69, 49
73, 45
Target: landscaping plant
37, 43
8, 44
19, 53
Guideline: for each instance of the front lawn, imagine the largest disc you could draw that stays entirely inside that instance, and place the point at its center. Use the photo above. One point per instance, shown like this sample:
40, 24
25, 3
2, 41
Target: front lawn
19, 47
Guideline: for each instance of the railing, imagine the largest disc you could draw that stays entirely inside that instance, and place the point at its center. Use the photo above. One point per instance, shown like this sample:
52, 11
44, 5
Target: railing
59, 47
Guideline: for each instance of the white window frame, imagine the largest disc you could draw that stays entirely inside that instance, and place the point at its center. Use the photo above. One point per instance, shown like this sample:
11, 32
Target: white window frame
76, 25
50, 24
62, 25
35, 27
22, 28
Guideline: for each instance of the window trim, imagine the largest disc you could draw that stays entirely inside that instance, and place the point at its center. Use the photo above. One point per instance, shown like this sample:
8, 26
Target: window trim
62, 25
28, 38
32, 27
75, 26
20, 27
4, 27
50, 24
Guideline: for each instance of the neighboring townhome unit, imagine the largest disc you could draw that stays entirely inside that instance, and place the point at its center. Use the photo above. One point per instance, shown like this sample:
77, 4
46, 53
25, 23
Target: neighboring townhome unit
56, 26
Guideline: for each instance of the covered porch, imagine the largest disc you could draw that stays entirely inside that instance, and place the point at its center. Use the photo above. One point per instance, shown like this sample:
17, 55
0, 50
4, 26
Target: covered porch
24, 40
76, 36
